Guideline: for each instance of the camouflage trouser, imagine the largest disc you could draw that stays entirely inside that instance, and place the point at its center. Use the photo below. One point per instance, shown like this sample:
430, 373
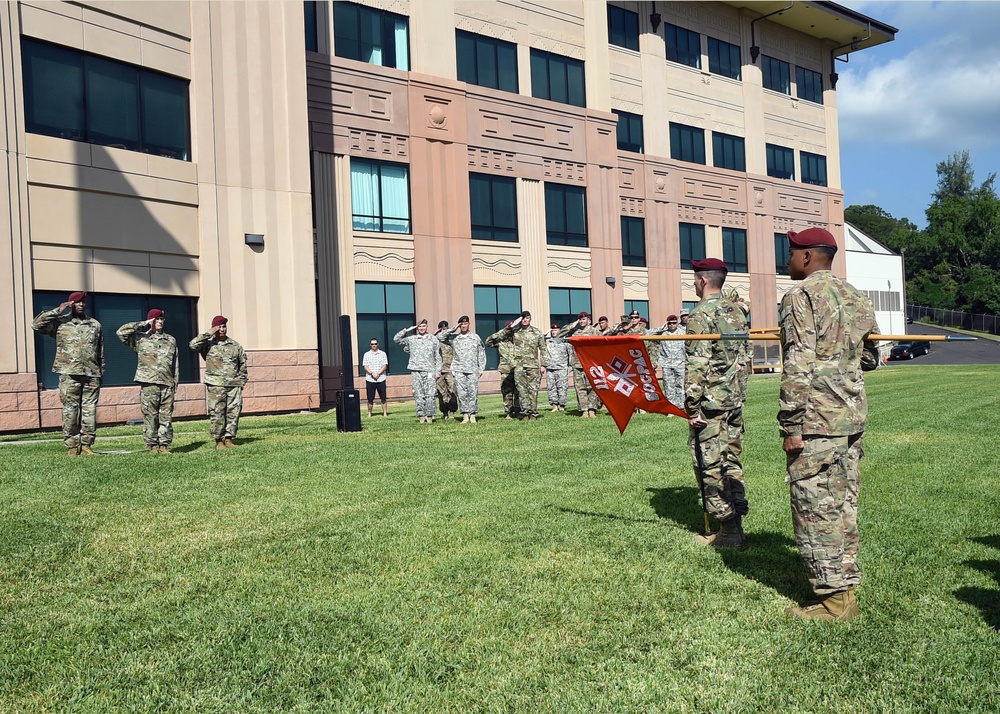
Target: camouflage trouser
468, 392
157, 402
673, 383
224, 407
824, 481
720, 443
526, 380
447, 393
557, 383
79, 395
586, 398
423, 393
508, 389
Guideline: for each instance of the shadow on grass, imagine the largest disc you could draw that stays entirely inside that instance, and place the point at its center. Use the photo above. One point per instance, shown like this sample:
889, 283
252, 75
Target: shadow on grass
986, 599
770, 558
607, 516
187, 448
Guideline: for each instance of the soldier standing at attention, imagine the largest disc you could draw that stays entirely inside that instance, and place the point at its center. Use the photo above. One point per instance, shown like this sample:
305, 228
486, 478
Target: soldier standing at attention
157, 372
447, 391
528, 359
822, 415
670, 359
713, 403
557, 369
468, 364
225, 377
79, 362
424, 366
587, 401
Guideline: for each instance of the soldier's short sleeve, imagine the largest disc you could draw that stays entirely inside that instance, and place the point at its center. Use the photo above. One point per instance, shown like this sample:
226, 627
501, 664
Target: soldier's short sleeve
798, 348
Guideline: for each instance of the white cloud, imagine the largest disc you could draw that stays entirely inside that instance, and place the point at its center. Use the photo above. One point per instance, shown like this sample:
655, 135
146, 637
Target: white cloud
942, 92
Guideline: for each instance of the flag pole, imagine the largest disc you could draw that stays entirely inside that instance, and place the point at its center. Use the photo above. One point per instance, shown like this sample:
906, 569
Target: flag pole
774, 336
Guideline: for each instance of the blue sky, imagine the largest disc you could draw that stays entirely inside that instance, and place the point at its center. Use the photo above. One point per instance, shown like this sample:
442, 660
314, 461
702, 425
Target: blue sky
906, 105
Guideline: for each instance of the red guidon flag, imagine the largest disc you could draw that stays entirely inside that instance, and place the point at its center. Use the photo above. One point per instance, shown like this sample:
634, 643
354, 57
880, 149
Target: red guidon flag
623, 376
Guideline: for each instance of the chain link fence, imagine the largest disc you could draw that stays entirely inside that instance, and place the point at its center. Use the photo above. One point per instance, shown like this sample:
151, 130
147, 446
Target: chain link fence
973, 321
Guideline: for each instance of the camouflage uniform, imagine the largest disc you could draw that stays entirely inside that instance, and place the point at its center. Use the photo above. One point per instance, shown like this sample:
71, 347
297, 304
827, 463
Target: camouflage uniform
670, 359
527, 355
746, 354
225, 377
424, 365
586, 398
447, 391
823, 325
158, 371
712, 392
79, 362
508, 390
557, 369
469, 362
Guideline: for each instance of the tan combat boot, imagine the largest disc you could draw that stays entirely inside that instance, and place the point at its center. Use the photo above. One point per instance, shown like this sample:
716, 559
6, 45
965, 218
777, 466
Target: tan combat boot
154, 449
85, 450
465, 418
730, 535
836, 607
228, 443
164, 449
472, 418
219, 446
73, 451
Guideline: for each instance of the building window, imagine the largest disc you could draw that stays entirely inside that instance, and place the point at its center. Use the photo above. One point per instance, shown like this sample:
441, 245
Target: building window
687, 143
808, 85
83, 97
380, 196
493, 202
486, 62
557, 78
623, 28
683, 46
629, 130
813, 168
565, 215
633, 241
640, 306
776, 74
780, 162
383, 310
309, 17
369, 35
781, 253
692, 238
566, 303
496, 305
113, 311
724, 58
728, 152
734, 250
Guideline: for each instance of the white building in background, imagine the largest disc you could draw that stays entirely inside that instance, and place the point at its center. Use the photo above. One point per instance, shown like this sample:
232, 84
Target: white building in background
878, 272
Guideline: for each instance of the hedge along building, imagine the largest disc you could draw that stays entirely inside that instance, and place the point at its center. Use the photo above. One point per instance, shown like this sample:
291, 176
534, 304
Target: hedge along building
401, 160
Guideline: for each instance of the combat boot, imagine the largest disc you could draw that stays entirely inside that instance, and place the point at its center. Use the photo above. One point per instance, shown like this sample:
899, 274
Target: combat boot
85, 450
836, 607
164, 450
472, 418
219, 446
154, 449
585, 414
465, 418
73, 451
730, 535
228, 443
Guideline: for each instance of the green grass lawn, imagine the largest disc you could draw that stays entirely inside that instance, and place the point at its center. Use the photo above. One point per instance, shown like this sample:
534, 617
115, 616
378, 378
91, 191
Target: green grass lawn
500, 567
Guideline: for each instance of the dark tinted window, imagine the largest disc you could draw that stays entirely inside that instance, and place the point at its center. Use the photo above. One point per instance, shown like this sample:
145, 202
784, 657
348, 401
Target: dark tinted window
623, 28
633, 241
683, 46
728, 152
486, 61
687, 143
493, 203
629, 131
565, 215
724, 58
557, 78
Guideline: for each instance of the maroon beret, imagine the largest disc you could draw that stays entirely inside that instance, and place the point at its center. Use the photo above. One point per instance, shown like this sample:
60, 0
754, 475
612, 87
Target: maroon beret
603, 317
634, 313
812, 238
555, 326
155, 313
671, 318
583, 314
708, 264
643, 319
219, 320
79, 296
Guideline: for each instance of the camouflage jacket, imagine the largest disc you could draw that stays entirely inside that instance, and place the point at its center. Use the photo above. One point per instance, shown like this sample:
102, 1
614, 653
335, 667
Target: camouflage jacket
824, 322
557, 352
79, 343
158, 363
470, 354
528, 345
711, 380
225, 360
669, 353
506, 350
574, 330
425, 350
447, 354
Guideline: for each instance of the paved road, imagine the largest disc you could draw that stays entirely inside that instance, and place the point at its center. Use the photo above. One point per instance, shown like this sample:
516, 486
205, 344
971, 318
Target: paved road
982, 351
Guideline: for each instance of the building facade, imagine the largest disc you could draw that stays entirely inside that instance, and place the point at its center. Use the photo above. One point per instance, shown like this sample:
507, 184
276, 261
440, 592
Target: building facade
288, 163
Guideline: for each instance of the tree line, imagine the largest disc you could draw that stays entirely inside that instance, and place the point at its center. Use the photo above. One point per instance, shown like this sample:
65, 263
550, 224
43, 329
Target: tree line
954, 263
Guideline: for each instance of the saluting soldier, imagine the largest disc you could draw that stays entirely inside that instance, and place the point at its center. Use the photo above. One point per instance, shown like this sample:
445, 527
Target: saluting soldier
586, 399
225, 377
447, 390
157, 372
825, 323
557, 368
508, 390
528, 359
713, 401
79, 362
424, 366
670, 359
468, 364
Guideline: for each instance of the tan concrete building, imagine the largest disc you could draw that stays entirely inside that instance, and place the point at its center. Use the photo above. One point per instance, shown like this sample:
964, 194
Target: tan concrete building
287, 163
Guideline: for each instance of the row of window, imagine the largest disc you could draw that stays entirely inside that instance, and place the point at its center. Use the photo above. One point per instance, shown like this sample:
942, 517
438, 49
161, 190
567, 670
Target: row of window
113, 311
